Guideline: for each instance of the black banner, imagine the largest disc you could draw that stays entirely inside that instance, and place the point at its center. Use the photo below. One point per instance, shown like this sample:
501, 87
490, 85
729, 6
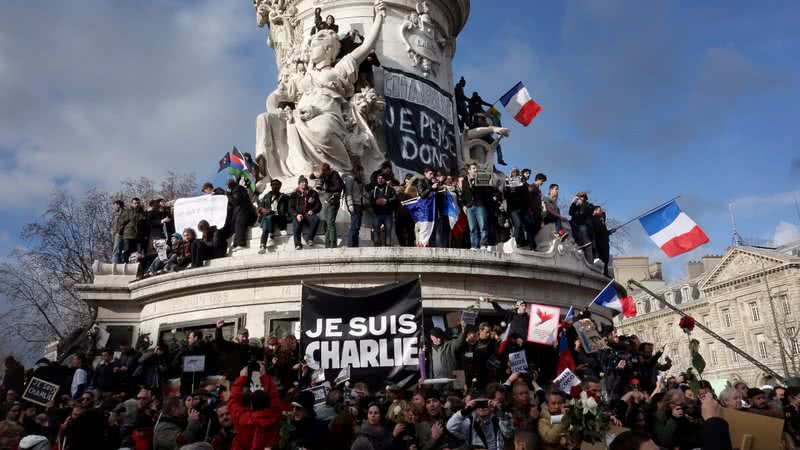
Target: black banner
374, 331
419, 123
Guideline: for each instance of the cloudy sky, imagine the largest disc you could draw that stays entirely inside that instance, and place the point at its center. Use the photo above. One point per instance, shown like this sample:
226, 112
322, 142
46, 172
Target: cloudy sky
641, 102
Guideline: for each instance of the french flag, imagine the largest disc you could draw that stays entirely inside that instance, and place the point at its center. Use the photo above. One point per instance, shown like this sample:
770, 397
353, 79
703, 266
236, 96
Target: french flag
457, 218
423, 211
609, 298
518, 103
672, 230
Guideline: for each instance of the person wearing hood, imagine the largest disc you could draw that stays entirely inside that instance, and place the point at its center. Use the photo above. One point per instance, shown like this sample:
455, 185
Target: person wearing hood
258, 426
173, 430
444, 353
34, 442
304, 207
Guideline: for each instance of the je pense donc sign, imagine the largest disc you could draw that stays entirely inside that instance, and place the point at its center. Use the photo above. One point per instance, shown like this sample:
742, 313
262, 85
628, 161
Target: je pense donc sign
373, 331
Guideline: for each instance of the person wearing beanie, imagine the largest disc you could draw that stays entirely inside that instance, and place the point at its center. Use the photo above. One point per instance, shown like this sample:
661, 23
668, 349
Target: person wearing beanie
443, 353
307, 431
304, 207
34, 442
258, 426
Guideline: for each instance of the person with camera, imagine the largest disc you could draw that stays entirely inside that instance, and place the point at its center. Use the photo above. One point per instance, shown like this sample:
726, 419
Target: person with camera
480, 425
670, 424
177, 426
255, 427
551, 430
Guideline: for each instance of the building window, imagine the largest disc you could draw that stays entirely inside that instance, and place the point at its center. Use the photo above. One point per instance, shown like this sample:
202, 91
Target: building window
762, 346
713, 352
705, 319
685, 294
785, 302
671, 328
668, 296
734, 355
791, 335
755, 312
726, 317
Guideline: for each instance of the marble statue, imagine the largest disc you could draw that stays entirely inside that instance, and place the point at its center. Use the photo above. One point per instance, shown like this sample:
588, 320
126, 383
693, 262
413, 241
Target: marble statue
284, 30
315, 115
424, 44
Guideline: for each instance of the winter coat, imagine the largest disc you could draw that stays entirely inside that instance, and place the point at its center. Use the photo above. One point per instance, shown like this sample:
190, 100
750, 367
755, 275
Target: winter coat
444, 358
118, 224
233, 355
550, 434
518, 198
170, 434
132, 223
151, 370
385, 192
581, 213
355, 193
330, 186
372, 438
254, 430
104, 377
302, 202
241, 207
490, 435
266, 203
424, 187
472, 195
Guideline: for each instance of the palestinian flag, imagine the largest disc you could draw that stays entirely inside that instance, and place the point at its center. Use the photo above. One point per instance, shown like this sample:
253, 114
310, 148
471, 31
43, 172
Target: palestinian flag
225, 162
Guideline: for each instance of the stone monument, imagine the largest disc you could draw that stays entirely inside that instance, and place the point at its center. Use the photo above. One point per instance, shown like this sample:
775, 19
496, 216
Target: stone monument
334, 104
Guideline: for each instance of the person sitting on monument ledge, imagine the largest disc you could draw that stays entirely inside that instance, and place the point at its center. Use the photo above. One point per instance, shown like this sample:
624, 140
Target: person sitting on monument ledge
382, 198
553, 213
356, 200
242, 214
211, 245
304, 205
273, 209
329, 186
209, 189
183, 253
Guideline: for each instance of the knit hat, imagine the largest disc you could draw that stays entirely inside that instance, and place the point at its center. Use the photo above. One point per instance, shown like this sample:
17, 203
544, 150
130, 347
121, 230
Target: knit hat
178, 235
305, 400
34, 442
432, 394
302, 179
437, 332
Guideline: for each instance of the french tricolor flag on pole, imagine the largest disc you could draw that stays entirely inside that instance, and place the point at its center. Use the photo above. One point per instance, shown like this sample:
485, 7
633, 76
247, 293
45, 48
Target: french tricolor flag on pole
672, 230
518, 103
609, 298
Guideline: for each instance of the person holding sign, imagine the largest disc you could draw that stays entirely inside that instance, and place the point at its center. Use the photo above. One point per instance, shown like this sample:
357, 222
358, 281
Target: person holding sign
443, 353
194, 347
258, 426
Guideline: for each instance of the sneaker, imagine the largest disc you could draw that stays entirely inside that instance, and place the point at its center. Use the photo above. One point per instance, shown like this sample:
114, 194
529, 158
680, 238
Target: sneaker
474, 249
298, 247
270, 242
262, 250
597, 262
236, 249
562, 235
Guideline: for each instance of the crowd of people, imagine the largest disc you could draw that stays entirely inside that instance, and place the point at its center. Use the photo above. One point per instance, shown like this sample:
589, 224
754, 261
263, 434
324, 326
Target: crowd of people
121, 398
517, 208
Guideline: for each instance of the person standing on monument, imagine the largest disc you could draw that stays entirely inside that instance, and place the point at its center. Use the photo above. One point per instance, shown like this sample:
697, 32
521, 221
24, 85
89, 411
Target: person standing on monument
426, 188
553, 213
242, 213
355, 198
132, 219
476, 199
304, 205
330, 186
382, 197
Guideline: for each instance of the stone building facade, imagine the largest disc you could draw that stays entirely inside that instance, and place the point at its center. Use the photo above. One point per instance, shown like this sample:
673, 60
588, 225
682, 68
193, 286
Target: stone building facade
750, 296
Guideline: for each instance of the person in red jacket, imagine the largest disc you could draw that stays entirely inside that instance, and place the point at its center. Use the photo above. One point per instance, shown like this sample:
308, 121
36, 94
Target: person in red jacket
259, 426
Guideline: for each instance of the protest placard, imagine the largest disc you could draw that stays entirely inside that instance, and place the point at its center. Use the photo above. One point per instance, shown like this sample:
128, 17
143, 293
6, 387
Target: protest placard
469, 316
565, 380
543, 323
191, 210
40, 392
194, 363
519, 362
438, 322
160, 246
750, 431
590, 338
320, 392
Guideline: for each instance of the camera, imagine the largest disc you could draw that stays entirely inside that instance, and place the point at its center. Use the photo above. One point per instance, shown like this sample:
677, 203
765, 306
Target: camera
482, 404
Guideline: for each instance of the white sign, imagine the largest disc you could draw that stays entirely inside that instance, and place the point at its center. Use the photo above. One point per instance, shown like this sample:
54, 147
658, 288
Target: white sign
519, 362
160, 246
102, 337
543, 324
194, 363
320, 393
438, 322
191, 210
565, 380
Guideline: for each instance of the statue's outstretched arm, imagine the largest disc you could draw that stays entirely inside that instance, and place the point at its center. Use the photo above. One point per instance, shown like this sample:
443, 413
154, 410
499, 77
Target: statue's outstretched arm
362, 51
477, 133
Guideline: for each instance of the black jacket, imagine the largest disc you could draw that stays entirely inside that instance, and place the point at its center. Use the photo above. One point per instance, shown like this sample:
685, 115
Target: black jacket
475, 195
239, 201
385, 192
581, 214
518, 197
266, 203
301, 202
330, 185
424, 187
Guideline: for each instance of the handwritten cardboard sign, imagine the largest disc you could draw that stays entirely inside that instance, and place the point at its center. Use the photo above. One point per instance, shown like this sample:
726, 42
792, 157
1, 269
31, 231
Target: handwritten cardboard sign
590, 339
543, 324
469, 316
194, 363
519, 361
752, 431
40, 392
565, 380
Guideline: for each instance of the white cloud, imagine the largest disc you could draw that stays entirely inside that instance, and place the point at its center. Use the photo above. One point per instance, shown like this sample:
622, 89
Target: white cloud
753, 204
111, 91
786, 232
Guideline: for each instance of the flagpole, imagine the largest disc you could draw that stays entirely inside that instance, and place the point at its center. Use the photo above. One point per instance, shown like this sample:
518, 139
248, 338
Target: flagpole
642, 215
598, 294
714, 335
